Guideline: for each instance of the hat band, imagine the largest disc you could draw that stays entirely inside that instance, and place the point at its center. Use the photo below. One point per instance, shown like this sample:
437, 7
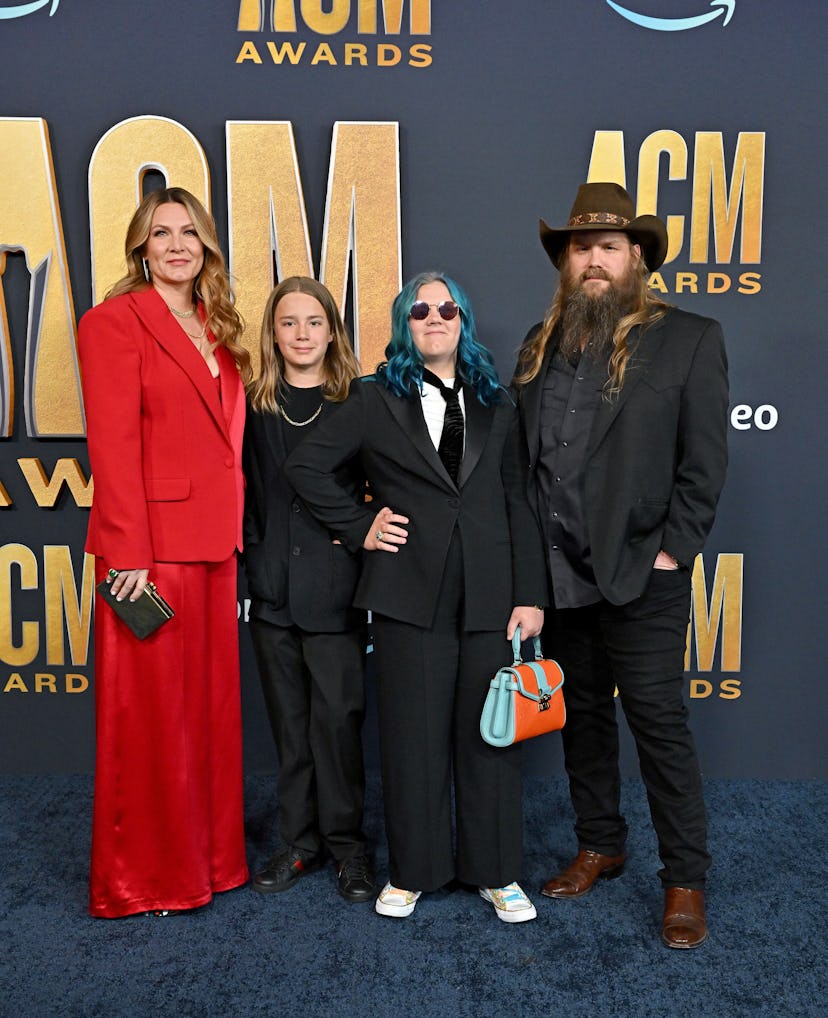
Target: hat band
610, 218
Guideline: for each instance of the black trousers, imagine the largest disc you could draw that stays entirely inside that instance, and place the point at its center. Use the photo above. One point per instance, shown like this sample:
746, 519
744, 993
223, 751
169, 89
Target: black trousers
431, 687
638, 647
313, 685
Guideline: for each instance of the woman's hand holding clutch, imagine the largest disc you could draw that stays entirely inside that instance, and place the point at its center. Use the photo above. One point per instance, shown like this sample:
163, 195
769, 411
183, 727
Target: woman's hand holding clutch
128, 583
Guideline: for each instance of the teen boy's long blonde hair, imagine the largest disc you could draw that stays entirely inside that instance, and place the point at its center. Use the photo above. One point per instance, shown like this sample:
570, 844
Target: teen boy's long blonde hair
340, 365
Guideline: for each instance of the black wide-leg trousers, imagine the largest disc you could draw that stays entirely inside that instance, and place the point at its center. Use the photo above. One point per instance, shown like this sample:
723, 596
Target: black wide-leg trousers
431, 687
314, 690
639, 648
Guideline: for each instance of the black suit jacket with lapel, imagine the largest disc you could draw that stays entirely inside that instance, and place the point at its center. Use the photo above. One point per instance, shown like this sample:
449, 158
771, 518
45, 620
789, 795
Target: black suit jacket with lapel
657, 453
290, 558
502, 551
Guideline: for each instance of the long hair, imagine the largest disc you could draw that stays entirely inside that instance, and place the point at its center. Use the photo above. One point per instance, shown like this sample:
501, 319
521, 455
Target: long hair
402, 371
647, 308
340, 364
211, 286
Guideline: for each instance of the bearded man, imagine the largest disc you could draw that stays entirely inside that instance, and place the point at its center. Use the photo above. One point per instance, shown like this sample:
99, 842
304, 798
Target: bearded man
624, 404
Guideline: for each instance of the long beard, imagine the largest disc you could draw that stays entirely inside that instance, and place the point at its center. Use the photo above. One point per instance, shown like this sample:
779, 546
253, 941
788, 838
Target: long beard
593, 319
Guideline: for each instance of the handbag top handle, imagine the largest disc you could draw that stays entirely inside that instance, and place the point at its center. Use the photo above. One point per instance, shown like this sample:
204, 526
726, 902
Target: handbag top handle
516, 642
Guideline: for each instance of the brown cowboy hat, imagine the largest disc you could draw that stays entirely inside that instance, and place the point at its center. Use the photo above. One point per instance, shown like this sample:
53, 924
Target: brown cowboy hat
607, 206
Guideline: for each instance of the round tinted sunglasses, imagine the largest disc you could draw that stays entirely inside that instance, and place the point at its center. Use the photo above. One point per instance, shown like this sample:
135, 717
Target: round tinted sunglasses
446, 309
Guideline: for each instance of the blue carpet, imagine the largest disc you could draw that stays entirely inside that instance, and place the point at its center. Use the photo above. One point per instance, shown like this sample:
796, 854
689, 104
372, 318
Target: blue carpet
306, 952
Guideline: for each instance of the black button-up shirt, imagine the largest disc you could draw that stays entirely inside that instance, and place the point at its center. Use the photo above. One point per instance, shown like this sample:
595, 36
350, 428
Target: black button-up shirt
570, 398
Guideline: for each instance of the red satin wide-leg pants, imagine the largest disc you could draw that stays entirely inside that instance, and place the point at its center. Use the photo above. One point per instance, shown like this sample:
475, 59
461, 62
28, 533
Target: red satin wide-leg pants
168, 828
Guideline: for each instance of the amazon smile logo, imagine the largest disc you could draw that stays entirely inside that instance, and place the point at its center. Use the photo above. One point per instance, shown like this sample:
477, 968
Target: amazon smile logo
21, 10
725, 8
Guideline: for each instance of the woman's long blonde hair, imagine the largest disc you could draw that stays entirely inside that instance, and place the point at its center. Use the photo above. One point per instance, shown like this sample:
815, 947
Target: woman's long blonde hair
647, 308
211, 286
340, 364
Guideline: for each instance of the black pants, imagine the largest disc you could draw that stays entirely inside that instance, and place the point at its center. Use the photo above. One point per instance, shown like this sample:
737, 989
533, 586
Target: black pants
432, 684
638, 647
313, 685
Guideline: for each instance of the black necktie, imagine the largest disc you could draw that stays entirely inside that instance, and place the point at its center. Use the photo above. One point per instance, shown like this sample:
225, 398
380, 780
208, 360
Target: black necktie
450, 449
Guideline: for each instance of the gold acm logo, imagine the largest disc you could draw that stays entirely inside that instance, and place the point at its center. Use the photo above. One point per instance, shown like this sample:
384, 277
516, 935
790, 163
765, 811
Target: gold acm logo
347, 33
709, 190
359, 260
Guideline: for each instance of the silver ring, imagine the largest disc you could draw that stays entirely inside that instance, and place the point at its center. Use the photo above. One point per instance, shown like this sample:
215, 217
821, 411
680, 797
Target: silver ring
378, 535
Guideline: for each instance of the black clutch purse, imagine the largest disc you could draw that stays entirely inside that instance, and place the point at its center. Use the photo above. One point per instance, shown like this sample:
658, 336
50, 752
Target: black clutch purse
143, 616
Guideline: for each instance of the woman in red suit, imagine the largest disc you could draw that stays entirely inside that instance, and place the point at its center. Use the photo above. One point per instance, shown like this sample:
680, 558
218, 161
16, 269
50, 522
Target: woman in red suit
163, 376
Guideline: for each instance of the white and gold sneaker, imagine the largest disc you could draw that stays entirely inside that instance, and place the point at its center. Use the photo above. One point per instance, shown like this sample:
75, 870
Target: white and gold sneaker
510, 903
396, 902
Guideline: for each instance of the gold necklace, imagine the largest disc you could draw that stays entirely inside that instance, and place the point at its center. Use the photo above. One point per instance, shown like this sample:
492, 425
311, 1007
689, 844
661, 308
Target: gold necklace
300, 424
182, 314
205, 349
199, 336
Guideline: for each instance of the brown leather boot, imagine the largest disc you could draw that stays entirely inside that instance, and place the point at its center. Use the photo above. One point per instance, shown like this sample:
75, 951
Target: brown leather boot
684, 924
577, 879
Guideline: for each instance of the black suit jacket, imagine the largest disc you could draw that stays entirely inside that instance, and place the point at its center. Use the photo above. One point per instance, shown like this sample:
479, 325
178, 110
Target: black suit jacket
502, 551
657, 453
290, 558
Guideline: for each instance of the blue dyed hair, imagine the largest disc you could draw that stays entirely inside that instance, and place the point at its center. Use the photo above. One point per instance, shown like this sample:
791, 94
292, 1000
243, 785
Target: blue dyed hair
402, 371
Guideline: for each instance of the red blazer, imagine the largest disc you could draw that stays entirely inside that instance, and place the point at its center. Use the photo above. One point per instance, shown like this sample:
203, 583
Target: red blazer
165, 451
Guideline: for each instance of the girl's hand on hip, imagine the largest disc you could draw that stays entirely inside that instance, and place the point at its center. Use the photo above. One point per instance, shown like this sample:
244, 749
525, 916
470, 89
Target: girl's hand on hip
386, 532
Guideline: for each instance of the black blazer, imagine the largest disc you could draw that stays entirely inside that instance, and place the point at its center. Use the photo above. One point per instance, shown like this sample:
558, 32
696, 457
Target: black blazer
657, 454
502, 551
290, 559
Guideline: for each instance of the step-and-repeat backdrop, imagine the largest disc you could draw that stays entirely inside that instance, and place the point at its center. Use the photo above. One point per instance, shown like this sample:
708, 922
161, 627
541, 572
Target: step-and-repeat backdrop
361, 141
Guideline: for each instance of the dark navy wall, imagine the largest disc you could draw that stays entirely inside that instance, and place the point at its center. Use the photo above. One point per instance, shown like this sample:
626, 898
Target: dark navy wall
496, 132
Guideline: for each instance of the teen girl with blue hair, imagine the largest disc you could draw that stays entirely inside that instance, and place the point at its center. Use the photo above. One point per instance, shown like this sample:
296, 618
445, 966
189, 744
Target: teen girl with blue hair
402, 372
454, 564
